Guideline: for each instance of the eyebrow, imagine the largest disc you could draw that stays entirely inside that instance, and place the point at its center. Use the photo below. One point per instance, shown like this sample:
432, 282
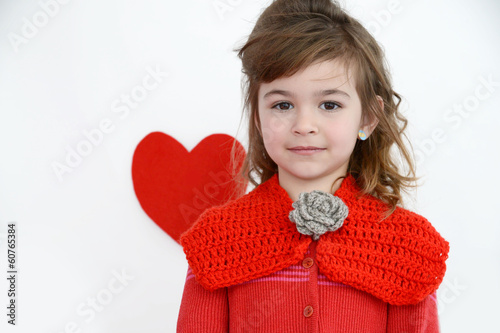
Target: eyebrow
316, 94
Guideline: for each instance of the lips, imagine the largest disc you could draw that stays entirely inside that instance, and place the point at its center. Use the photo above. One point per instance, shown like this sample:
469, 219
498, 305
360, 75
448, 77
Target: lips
306, 150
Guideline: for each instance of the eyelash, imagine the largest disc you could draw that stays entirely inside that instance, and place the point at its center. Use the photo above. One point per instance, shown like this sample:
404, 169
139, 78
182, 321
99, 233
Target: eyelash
331, 102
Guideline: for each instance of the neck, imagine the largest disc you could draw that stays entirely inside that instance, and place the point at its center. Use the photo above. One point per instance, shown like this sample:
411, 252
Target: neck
294, 186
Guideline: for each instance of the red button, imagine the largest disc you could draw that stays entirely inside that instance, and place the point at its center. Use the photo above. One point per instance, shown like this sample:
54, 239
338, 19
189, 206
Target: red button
308, 262
308, 311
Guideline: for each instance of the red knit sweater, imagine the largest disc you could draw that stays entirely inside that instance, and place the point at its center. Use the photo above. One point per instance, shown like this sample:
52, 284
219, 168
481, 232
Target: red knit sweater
256, 273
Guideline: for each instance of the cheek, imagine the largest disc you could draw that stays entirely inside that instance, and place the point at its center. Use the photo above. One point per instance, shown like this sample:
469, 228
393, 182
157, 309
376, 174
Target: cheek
273, 130
342, 135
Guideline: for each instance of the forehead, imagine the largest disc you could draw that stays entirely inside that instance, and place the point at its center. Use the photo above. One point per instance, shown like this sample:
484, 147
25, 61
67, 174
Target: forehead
329, 74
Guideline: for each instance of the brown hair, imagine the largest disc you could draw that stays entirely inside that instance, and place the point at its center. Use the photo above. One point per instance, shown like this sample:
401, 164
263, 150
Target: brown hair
291, 35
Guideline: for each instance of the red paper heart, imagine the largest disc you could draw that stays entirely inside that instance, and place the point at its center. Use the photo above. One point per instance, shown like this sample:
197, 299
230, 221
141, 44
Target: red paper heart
175, 186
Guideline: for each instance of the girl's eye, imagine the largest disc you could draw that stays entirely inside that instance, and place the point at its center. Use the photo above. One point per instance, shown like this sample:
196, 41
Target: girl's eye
330, 106
283, 106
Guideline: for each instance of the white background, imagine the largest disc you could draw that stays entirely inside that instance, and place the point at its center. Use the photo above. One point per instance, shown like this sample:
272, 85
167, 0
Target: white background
77, 231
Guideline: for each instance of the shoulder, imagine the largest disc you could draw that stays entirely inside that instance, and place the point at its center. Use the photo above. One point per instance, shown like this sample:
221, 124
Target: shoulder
206, 238
399, 259
418, 246
217, 214
409, 223
407, 232
213, 218
265, 202
260, 206
405, 216
243, 239
368, 207
416, 230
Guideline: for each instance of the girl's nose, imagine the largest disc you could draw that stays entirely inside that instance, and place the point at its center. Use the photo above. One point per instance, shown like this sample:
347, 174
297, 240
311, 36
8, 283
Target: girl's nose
305, 123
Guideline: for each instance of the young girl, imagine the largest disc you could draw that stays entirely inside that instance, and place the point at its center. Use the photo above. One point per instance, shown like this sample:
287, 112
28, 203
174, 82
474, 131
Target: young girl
322, 243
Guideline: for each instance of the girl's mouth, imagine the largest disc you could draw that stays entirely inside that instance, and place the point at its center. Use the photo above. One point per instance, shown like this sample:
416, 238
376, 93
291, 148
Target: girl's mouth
306, 150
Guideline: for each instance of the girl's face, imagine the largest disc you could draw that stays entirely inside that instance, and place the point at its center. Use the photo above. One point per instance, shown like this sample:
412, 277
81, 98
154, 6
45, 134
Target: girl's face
310, 122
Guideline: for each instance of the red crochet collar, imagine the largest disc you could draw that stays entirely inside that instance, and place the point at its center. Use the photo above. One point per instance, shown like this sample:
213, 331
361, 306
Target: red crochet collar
400, 259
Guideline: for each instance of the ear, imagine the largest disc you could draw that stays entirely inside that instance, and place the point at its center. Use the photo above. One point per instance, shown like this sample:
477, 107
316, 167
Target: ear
370, 121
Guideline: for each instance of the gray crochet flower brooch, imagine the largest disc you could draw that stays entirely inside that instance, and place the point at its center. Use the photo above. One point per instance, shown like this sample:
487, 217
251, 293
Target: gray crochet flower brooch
318, 212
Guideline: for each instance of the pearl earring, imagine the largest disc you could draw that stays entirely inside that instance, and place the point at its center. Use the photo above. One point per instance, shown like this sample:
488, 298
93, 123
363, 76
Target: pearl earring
362, 135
